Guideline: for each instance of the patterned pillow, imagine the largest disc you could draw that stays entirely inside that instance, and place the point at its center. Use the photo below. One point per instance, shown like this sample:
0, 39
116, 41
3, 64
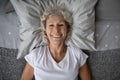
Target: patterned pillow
108, 10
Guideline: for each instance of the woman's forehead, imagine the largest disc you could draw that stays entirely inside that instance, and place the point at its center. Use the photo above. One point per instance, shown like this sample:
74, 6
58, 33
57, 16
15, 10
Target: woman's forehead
55, 17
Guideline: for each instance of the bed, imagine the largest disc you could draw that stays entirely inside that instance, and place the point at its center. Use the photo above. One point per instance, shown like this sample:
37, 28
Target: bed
103, 52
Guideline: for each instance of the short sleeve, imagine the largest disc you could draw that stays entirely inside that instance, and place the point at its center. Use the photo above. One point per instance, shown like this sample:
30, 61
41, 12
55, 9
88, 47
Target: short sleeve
31, 57
82, 57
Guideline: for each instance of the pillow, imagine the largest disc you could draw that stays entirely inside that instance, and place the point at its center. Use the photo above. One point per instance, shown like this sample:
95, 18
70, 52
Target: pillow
108, 10
29, 12
5, 6
9, 30
107, 35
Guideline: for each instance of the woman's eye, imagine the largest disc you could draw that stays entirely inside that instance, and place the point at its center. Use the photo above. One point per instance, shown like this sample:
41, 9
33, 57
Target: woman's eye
60, 25
51, 25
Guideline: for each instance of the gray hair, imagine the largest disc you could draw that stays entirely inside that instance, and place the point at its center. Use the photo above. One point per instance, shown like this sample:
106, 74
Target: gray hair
59, 10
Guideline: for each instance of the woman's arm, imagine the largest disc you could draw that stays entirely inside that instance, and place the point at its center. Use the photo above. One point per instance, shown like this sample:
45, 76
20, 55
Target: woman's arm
84, 72
27, 72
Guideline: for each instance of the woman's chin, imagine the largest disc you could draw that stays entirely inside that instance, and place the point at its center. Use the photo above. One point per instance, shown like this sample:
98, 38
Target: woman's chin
56, 43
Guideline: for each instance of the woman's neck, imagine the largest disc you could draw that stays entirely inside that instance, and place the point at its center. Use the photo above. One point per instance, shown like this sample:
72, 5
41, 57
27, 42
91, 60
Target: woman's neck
57, 48
58, 52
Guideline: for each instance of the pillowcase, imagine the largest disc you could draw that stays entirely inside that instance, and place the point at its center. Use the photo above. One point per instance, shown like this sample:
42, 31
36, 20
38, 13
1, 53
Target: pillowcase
9, 35
107, 35
9, 30
5, 6
29, 12
108, 10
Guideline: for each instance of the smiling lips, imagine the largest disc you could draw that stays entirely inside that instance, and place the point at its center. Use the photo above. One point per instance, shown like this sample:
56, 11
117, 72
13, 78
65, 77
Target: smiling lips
57, 37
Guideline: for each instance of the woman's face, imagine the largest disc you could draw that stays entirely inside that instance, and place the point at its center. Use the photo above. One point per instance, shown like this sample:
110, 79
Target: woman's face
56, 30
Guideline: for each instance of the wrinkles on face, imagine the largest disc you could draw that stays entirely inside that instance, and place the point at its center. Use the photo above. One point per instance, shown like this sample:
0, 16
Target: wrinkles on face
56, 29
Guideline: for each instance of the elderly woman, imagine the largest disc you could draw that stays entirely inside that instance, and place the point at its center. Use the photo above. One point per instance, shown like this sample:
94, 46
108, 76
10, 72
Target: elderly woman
56, 60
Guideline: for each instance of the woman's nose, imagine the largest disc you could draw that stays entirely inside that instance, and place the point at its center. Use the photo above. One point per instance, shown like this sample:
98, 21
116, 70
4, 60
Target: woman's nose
56, 29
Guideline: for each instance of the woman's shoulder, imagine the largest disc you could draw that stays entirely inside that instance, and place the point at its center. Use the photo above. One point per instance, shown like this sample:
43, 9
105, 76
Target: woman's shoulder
37, 51
74, 48
76, 51
35, 55
78, 54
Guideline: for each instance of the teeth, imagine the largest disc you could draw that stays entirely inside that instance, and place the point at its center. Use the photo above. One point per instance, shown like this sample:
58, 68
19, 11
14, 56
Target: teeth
56, 36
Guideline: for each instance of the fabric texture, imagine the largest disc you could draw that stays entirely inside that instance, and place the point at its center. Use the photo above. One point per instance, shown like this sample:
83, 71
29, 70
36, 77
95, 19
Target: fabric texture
107, 35
107, 25
0, 69
10, 67
9, 26
9, 30
45, 67
104, 65
108, 10
29, 12
6, 6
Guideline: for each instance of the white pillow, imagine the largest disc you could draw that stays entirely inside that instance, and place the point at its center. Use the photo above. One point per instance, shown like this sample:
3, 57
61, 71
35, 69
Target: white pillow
29, 12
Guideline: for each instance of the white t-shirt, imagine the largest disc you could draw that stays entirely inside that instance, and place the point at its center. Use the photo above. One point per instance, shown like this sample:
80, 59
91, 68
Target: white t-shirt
46, 68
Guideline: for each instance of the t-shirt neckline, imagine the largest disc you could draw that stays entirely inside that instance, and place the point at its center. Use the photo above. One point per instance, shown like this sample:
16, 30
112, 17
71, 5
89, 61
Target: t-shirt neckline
53, 58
